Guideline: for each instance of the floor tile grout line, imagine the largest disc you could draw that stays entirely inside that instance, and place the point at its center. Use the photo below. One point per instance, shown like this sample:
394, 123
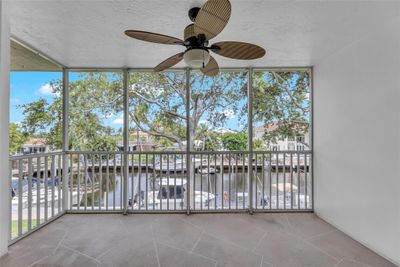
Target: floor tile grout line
155, 244
80, 253
321, 234
197, 241
321, 250
287, 221
262, 262
33, 234
220, 235
259, 241
59, 243
244, 218
37, 261
338, 262
226, 241
194, 225
363, 263
220, 238
102, 254
306, 237
232, 243
189, 252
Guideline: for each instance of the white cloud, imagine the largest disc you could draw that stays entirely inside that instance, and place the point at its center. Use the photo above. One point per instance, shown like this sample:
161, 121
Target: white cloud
229, 113
47, 89
204, 122
119, 121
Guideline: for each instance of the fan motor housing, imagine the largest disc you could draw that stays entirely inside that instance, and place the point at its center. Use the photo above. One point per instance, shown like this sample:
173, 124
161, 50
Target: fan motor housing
189, 32
192, 40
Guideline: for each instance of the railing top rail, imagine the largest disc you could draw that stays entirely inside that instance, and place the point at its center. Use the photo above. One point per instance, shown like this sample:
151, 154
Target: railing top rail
282, 152
36, 155
192, 152
94, 152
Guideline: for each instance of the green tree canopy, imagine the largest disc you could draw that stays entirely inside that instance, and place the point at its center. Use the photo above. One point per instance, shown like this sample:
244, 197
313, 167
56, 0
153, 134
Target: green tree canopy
282, 98
157, 106
157, 102
234, 141
17, 138
93, 96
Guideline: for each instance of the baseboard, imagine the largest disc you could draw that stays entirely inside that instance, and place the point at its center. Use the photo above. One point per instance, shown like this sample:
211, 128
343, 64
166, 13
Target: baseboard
3, 252
361, 242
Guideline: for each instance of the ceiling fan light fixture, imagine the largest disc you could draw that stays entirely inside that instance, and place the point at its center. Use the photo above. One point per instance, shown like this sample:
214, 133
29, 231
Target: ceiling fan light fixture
196, 58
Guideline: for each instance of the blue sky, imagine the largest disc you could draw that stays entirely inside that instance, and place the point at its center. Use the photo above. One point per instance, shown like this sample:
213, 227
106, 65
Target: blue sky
26, 87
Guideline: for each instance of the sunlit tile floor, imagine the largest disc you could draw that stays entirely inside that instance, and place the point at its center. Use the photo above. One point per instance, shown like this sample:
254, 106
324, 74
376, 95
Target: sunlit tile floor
196, 240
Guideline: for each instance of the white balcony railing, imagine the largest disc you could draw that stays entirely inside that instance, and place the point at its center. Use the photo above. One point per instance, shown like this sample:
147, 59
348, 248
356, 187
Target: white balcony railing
149, 182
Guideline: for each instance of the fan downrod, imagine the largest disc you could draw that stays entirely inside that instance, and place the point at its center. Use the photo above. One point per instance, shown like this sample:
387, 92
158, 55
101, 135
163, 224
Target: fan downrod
193, 13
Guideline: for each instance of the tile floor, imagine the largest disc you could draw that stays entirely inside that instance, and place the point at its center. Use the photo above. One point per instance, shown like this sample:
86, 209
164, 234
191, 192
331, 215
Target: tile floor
202, 240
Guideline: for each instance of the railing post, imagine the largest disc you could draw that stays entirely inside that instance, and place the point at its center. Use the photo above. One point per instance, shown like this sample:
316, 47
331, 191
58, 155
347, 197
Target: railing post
312, 135
65, 140
250, 137
188, 141
126, 141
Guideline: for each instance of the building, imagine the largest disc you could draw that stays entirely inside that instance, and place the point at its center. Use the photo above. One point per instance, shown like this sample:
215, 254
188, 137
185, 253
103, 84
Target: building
138, 146
34, 145
141, 135
297, 143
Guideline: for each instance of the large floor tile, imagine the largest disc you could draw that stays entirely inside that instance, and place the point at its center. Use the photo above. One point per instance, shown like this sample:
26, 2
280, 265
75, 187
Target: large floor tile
349, 263
135, 250
33, 248
341, 246
308, 225
66, 257
269, 222
173, 257
230, 227
94, 238
45, 238
226, 253
156, 240
25, 258
288, 250
175, 232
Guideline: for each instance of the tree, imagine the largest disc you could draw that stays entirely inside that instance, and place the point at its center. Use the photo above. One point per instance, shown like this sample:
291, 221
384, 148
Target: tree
281, 97
102, 143
157, 106
158, 102
258, 144
234, 141
92, 97
17, 138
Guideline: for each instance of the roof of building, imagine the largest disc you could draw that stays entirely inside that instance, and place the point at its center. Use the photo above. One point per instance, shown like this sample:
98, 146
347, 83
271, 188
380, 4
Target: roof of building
35, 142
269, 127
135, 143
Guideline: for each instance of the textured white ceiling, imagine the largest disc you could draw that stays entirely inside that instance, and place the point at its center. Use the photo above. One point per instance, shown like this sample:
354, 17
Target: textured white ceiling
88, 33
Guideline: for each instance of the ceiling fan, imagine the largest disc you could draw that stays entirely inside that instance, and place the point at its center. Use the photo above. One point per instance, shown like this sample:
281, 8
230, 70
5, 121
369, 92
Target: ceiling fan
209, 21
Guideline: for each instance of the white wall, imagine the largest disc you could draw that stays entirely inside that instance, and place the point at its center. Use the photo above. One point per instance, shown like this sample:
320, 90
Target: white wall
4, 119
357, 139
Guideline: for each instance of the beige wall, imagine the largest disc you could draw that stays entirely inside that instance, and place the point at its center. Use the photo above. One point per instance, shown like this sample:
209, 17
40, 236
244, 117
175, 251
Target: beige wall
4, 122
356, 139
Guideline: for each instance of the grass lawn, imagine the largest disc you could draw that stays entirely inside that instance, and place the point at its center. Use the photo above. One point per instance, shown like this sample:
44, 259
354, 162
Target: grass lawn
14, 226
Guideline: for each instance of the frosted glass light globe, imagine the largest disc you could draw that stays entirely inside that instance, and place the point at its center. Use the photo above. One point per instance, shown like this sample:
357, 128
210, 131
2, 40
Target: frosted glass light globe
195, 58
